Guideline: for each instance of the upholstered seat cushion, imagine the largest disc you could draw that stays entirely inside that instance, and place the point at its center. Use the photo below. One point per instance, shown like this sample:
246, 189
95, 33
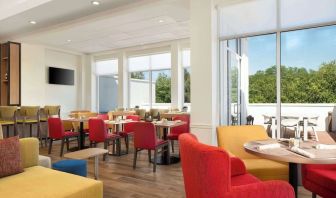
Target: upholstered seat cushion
125, 133
6, 122
173, 136
160, 142
323, 177
267, 169
70, 133
27, 121
39, 182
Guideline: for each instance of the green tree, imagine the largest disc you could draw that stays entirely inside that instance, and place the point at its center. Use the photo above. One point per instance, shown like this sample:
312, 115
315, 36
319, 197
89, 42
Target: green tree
298, 85
138, 75
187, 85
162, 88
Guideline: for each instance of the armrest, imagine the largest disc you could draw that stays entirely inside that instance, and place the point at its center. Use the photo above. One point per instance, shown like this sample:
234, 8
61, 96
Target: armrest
274, 189
237, 166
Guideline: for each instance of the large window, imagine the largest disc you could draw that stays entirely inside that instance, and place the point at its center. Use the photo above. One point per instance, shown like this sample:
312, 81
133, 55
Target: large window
186, 74
301, 86
107, 84
150, 81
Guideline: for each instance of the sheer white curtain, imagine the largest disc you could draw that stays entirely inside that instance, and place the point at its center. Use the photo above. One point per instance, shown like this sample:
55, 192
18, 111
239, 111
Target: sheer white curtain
249, 17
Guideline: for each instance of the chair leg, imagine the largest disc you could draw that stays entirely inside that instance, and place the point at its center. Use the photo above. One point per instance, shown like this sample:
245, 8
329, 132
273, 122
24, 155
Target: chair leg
7, 131
149, 156
31, 130
50, 145
135, 157
67, 144
105, 147
78, 142
155, 158
172, 145
168, 154
126, 143
316, 137
313, 195
113, 146
62, 147
118, 146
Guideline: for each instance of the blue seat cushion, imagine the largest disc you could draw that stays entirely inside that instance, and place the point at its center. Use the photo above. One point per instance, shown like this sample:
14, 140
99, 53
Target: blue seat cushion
76, 167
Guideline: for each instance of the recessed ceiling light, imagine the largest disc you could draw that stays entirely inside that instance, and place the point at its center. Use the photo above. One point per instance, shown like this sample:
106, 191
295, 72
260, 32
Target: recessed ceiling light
68, 40
161, 21
32, 22
95, 3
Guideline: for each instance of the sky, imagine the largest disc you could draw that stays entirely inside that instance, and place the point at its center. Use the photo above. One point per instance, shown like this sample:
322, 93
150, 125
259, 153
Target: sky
302, 48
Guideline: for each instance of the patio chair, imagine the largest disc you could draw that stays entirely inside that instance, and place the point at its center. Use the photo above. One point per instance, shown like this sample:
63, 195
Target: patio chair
289, 122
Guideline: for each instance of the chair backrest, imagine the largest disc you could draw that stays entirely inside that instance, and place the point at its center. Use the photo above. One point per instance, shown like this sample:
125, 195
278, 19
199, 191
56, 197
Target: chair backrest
144, 135
56, 129
129, 127
8, 112
30, 111
206, 169
155, 113
103, 116
52, 110
141, 113
97, 130
233, 138
183, 128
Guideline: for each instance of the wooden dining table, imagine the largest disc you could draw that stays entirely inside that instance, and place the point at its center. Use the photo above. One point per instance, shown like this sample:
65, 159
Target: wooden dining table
166, 126
284, 154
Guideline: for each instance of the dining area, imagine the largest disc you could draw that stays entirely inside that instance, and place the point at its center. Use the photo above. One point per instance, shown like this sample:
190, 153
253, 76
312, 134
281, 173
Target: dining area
116, 130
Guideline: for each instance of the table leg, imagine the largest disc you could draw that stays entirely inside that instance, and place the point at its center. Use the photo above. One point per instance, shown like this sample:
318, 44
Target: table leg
81, 135
273, 128
305, 127
293, 176
96, 167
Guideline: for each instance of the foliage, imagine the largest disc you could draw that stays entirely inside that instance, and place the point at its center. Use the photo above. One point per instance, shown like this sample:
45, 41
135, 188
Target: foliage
298, 85
162, 88
138, 75
187, 85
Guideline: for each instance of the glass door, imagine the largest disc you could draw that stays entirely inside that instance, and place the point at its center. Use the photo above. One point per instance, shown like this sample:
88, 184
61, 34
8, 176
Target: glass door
231, 83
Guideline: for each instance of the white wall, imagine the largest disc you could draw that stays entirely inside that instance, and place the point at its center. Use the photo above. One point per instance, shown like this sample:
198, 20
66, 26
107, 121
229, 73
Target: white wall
34, 86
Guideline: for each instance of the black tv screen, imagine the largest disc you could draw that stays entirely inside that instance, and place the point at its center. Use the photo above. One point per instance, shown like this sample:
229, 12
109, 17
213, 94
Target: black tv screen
61, 76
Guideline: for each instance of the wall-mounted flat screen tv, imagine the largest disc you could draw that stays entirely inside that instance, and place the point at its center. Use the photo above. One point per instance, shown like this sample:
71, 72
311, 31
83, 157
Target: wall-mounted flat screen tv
61, 76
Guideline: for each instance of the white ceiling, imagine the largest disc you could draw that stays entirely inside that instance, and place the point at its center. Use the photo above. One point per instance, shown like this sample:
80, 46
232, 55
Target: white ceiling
112, 25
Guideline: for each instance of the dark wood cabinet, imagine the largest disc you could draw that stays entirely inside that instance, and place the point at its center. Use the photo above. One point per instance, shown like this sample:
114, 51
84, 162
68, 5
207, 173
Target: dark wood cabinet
10, 73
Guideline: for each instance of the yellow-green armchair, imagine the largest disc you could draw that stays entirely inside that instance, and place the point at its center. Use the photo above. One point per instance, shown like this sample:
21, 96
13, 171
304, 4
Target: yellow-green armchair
232, 139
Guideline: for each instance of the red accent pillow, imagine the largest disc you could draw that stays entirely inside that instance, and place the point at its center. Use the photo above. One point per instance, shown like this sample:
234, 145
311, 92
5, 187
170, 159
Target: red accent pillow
10, 157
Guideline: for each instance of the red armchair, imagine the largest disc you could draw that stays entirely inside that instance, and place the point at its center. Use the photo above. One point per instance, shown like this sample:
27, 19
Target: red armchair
57, 132
320, 179
103, 116
99, 133
129, 129
210, 172
176, 131
145, 138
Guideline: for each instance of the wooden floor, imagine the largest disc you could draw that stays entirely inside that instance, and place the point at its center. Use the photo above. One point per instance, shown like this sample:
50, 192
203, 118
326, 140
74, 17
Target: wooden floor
120, 180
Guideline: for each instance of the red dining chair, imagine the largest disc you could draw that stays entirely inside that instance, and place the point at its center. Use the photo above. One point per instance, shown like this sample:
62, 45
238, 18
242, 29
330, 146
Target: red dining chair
129, 129
103, 116
320, 179
57, 132
209, 171
175, 132
98, 133
145, 138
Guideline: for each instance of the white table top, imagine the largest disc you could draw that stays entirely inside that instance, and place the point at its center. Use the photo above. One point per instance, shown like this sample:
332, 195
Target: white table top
168, 124
283, 154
